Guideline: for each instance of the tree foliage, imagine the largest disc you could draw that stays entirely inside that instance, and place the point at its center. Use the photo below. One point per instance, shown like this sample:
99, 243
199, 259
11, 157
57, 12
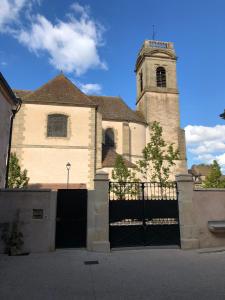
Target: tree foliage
158, 157
121, 173
214, 178
223, 115
125, 181
17, 178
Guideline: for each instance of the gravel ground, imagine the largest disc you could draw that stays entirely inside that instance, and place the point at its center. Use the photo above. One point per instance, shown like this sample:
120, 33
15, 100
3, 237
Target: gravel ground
125, 274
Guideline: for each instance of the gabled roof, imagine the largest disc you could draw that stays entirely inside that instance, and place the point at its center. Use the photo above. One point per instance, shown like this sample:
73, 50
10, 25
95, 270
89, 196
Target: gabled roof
201, 169
114, 108
22, 93
59, 91
109, 156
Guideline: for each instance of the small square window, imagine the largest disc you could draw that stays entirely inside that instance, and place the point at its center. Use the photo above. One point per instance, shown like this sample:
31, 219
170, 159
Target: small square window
57, 125
38, 214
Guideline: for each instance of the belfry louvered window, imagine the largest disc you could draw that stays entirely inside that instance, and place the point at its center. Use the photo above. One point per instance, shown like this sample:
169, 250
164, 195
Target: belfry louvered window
161, 77
57, 125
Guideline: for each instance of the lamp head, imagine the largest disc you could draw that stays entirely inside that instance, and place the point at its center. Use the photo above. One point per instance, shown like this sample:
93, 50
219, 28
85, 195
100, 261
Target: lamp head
68, 165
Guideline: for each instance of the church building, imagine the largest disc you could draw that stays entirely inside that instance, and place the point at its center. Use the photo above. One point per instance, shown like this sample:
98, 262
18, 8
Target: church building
58, 124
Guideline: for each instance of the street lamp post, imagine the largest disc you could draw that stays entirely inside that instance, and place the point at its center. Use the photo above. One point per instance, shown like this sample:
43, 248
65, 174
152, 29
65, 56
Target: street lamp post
68, 165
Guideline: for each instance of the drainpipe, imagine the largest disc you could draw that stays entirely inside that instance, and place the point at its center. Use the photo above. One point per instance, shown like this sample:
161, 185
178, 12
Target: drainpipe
14, 111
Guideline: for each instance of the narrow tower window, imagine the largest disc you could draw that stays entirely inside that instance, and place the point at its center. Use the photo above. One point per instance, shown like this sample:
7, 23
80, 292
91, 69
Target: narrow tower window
109, 137
161, 77
57, 125
141, 81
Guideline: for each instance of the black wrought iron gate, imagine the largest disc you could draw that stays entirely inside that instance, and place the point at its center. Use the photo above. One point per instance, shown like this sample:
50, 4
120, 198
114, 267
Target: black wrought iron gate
143, 214
71, 218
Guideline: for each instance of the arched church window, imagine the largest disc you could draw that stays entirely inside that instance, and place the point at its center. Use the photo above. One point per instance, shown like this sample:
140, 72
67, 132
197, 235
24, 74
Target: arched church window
109, 137
141, 81
161, 77
57, 125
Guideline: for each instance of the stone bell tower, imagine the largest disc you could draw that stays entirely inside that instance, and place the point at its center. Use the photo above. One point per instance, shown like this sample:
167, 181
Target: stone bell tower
157, 93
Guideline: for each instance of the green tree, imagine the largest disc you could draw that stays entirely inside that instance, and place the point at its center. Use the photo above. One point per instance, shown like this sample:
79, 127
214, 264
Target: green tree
125, 181
158, 157
213, 179
17, 178
121, 173
223, 115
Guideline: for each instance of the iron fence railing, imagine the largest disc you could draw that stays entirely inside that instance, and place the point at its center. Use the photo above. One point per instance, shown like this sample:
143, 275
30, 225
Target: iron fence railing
143, 191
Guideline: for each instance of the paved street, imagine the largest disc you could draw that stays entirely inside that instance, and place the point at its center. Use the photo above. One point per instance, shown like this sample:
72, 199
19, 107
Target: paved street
127, 274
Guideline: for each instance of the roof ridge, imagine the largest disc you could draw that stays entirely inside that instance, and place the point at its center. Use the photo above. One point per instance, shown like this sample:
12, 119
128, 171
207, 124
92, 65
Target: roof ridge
47, 83
59, 90
104, 96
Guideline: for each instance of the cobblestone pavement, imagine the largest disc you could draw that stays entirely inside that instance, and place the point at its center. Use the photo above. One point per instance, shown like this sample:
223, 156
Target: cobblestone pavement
127, 274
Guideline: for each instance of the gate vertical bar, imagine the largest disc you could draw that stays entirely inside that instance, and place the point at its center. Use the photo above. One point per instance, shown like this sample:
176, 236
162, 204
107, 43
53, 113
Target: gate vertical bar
143, 212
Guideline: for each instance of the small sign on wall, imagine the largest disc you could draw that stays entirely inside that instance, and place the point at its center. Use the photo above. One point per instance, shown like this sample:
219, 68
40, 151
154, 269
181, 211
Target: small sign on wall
38, 214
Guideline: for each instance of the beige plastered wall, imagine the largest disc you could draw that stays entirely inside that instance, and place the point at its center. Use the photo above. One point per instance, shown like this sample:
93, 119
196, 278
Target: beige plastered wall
5, 117
44, 157
209, 205
118, 133
137, 137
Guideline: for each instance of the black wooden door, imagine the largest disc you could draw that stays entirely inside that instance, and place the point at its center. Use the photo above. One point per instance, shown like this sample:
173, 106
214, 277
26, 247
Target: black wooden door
71, 220
143, 214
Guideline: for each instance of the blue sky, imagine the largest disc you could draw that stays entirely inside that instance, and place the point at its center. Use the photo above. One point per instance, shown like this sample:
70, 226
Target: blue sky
95, 43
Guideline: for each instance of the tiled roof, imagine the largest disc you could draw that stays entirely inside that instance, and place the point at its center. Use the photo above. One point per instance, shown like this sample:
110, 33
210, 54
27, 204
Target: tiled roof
59, 91
200, 170
21, 93
109, 156
114, 108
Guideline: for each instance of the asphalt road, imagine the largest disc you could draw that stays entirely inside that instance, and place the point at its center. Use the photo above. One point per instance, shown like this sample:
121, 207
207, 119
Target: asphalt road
127, 274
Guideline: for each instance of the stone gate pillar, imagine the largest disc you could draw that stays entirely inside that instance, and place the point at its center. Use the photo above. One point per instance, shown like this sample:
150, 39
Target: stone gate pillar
98, 214
188, 225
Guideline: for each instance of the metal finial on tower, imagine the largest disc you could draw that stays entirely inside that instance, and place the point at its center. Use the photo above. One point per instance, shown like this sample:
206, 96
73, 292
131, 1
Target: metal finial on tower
153, 32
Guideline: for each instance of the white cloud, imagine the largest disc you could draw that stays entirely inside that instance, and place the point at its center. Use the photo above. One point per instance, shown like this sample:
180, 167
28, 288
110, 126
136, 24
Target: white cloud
72, 45
207, 147
91, 88
12, 12
196, 134
9, 12
206, 143
84, 10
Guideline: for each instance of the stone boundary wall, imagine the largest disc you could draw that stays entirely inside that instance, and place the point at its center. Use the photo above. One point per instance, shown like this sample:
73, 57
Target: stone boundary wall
209, 205
38, 229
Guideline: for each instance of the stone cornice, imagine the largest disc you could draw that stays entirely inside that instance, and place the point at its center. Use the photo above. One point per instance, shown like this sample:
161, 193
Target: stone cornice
150, 52
57, 104
157, 90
